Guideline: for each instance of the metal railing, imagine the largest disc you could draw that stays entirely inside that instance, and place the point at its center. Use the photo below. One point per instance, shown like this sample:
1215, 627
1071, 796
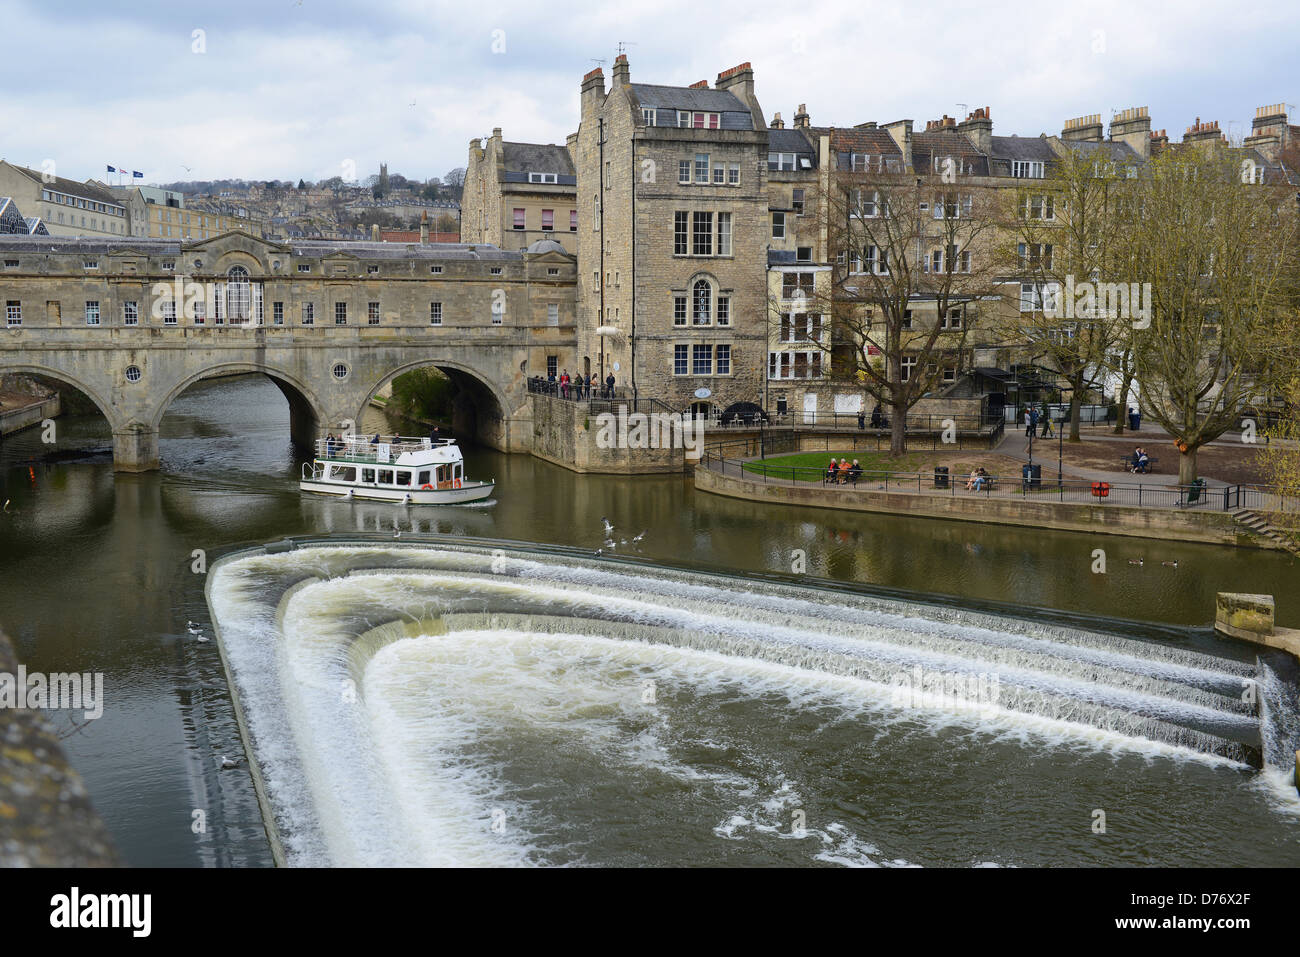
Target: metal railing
1036, 488
359, 448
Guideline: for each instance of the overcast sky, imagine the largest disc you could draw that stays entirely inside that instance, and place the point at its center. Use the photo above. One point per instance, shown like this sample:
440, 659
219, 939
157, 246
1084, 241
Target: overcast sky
299, 88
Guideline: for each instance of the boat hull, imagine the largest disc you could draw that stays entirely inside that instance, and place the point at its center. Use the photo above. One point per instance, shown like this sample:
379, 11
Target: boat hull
468, 492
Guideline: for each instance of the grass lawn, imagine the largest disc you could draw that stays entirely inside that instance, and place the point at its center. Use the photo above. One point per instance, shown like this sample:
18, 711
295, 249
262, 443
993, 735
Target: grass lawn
871, 462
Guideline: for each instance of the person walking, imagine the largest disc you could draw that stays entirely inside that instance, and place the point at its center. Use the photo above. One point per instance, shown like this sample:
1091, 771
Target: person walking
1029, 423
609, 386
1047, 423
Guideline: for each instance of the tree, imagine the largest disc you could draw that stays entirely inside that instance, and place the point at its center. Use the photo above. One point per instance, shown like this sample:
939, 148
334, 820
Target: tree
913, 263
1217, 253
1060, 242
302, 184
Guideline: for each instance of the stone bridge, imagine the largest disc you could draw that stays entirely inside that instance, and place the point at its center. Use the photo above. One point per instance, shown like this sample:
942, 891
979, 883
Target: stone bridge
501, 317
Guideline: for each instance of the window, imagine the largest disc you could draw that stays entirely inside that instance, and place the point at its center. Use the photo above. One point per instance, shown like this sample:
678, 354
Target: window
573, 220
133, 374
724, 234
780, 161
703, 237
1037, 207
909, 366
340, 313
92, 312
1027, 169
1037, 296
648, 115
701, 360
340, 370
277, 313
952, 320
679, 310
498, 310
169, 312
435, 270
519, 219
543, 177
11, 264
733, 174
169, 266
552, 313
13, 312
803, 254
796, 285
308, 313
681, 359
907, 319
372, 313
778, 225
701, 167
1035, 255
722, 360
698, 121
679, 233
495, 270
548, 220
90, 263
435, 313
552, 271
796, 201
130, 313
724, 310
238, 295
372, 269
864, 203
951, 205
683, 171
304, 267
552, 366
719, 174
200, 311
702, 297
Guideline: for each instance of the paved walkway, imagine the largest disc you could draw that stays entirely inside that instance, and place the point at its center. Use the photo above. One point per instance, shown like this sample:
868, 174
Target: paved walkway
1045, 452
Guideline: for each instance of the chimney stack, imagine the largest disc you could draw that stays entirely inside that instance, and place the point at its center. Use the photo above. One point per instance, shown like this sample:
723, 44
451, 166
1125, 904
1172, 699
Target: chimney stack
374, 233
978, 127
739, 81
801, 119
901, 132
777, 122
700, 85
424, 228
1082, 129
593, 90
1203, 133
1133, 127
622, 72
1269, 130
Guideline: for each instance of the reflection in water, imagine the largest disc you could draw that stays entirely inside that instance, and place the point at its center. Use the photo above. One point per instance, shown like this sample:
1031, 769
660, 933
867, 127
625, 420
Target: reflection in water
97, 575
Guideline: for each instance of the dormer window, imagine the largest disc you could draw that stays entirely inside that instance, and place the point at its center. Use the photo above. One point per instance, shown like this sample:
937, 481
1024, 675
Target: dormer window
543, 178
697, 121
780, 161
648, 115
1027, 169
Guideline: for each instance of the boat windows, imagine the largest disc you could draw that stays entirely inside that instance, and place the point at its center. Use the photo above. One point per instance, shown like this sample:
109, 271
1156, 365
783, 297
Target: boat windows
343, 473
403, 478
424, 478
368, 476
385, 476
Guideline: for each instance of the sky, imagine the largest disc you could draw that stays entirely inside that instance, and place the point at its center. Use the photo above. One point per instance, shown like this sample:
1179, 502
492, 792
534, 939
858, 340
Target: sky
289, 89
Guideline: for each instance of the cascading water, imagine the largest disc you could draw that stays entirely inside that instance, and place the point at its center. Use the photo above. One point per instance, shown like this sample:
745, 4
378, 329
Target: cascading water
466, 705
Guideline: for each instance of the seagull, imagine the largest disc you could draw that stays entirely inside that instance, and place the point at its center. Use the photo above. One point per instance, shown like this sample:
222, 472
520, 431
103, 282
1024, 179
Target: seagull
599, 552
611, 544
226, 763
186, 168
397, 533
193, 629
1133, 562
608, 527
637, 538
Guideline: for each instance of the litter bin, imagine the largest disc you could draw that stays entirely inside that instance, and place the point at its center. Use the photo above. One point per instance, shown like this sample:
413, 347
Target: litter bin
1134, 421
941, 476
1032, 475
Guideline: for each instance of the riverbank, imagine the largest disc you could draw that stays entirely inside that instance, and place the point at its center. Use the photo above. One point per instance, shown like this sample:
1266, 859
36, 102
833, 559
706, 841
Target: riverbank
19, 411
1184, 525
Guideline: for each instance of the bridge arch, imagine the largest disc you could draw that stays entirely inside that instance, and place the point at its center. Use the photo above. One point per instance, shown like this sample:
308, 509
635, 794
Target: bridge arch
59, 375
482, 408
306, 412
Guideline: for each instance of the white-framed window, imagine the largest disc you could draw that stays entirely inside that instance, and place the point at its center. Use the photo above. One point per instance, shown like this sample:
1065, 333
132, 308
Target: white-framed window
681, 359
552, 271
952, 320
702, 303
372, 269
683, 172
372, 313
495, 270
200, 312
1027, 169
698, 120
681, 239
679, 310
864, 203
951, 205
778, 225
796, 201
702, 239
702, 168
92, 312
701, 359
13, 312
308, 313
169, 265
552, 313
239, 295
277, 313
89, 263
169, 312
1038, 297
1038, 207
797, 285
543, 177
794, 365
719, 174
648, 115
733, 174
724, 234
340, 313
304, 267
1035, 255
722, 359
130, 313
909, 366
724, 310
780, 161
435, 270
435, 313
800, 327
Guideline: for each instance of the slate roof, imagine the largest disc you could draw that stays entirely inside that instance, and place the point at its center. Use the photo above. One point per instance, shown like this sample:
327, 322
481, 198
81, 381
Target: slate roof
70, 186
311, 248
733, 114
537, 158
790, 141
950, 142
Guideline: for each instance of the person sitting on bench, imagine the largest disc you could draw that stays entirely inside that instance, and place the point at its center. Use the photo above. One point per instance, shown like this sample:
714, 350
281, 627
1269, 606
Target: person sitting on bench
831, 471
855, 472
844, 471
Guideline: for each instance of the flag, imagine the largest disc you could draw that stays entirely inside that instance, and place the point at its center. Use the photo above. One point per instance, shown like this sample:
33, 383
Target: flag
136, 174
111, 170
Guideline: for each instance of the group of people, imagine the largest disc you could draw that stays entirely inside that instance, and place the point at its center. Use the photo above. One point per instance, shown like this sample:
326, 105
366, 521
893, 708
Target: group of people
979, 478
1032, 418
579, 386
838, 473
1141, 461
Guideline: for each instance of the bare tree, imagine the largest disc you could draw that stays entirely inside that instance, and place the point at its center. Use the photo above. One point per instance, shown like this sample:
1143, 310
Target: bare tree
914, 262
1218, 252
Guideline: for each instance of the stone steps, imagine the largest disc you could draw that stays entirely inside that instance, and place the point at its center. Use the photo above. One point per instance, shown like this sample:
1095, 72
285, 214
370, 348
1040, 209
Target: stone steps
1260, 526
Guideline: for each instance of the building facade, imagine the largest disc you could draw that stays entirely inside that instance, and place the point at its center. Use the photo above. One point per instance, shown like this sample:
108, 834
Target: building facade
518, 193
66, 207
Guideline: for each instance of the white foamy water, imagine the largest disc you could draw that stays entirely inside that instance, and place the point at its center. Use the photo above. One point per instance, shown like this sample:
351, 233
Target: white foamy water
450, 737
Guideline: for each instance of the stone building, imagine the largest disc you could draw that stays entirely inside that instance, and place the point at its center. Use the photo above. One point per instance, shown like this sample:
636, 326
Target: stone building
66, 207
673, 234
518, 193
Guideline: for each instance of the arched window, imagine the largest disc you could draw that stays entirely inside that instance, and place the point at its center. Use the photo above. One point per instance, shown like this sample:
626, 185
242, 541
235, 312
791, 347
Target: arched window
238, 295
703, 300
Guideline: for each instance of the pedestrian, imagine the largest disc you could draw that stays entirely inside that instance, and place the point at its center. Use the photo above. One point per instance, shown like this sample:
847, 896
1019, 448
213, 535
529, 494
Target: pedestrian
1029, 424
1047, 423
564, 384
1033, 422
862, 420
609, 386
876, 417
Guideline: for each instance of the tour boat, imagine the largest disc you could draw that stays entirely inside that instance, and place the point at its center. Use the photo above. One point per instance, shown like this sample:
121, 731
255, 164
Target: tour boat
404, 470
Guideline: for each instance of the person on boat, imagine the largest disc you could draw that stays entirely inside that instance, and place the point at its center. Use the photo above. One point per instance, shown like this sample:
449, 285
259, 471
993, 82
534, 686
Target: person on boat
329, 444
434, 437
374, 440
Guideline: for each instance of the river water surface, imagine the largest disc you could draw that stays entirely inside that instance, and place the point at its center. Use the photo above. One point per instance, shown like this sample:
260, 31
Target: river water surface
769, 735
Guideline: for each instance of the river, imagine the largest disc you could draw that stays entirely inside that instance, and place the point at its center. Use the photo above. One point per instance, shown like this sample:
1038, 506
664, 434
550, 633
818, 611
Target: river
99, 575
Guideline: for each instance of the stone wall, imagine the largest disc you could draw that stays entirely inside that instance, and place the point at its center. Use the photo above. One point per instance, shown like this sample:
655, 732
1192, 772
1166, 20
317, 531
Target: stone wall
567, 433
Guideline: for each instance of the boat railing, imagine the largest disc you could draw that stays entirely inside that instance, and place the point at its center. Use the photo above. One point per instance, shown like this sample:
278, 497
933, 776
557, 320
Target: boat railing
360, 449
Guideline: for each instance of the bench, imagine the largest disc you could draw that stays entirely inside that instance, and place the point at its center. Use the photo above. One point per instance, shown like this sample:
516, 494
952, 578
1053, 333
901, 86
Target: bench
1129, 461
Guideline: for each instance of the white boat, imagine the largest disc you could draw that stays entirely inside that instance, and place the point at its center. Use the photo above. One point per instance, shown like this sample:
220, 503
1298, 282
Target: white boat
404, 470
